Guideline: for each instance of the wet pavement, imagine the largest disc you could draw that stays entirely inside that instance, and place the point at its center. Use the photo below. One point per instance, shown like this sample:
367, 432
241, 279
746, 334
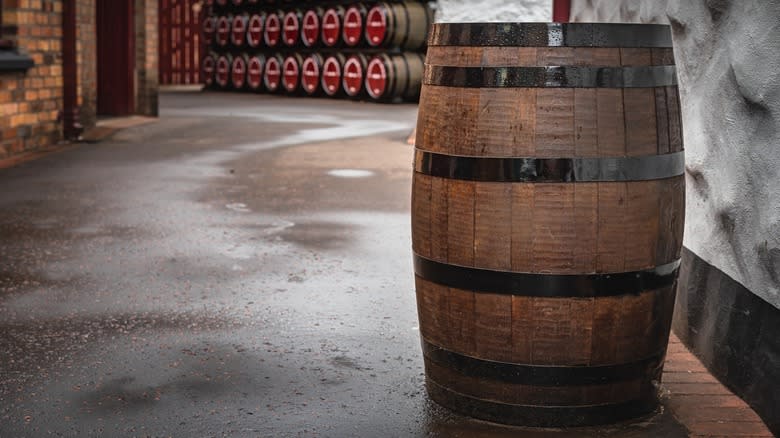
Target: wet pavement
240, 268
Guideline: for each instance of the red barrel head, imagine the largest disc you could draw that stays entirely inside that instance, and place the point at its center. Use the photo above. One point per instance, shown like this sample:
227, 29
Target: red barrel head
254, 75
223, 71
209, 28
273, 74
376, 78
238, 33
291, 28
310, 34
353, 26
353, 76
291, 74
310, 75
238, 72
223, 31
254, 33
209, 64
331, 76
331, 27
376, 26
273, 30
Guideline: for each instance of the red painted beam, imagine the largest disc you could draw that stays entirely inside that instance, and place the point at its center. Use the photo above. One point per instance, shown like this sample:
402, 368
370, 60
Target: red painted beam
561, 10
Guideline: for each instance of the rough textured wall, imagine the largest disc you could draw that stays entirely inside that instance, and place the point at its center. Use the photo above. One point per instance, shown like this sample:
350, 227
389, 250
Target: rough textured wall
494, 10
30, 102
146, 41
86, 59
729, 71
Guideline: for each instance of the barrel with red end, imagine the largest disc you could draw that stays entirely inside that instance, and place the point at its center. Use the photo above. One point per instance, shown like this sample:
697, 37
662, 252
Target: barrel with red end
209, 29
223, 30
222, 76
222, 2
238, 32
395, 77
254, 73
238, 70
208, 69
311, 74
291, 27
332, 19
254, 30
291, 73
353, 75
310, 27
402, 25
272, 76
272, 34
352, 26
332, 69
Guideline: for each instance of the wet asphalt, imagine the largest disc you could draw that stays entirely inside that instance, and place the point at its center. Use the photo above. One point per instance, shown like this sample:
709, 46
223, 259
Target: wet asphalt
242, 267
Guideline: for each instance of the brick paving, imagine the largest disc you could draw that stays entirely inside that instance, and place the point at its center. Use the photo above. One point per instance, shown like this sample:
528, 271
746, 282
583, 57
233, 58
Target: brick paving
701, 403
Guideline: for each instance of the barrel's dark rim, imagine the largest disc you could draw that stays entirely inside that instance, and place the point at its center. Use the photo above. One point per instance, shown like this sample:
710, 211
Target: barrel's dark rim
551, 77
618, 35
546, 285
540, 416
538, 375
553, 170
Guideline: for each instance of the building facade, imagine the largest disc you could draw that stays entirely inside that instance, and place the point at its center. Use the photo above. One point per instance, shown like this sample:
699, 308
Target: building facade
64, 63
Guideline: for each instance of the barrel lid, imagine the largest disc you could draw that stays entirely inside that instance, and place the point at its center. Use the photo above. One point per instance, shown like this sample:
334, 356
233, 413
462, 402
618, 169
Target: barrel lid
255, 30
311, 28
273, 30
208, 69
209, 27
353, 76
254, 76
238, 33
223, 71
353, 26
331, 75
310, 75
331, 27
223, 30
272, 74
551, 35
291, 74
376, 25
238, 72
376, 78
292, 28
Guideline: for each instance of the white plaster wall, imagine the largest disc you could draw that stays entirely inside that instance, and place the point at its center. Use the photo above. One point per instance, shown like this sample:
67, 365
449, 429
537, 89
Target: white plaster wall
728, 60
494, 10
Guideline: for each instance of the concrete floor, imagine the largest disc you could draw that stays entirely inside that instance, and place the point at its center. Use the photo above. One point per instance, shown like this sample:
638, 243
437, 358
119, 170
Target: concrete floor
215, 274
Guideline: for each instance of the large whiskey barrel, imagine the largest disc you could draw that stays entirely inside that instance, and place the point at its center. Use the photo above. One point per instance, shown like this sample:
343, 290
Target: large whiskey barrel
223, 30
547, 219
209, 29
238, 30
392, 77
353, 75
254, 30
291, 27
310, 29
331, 74
272, 75
353, 25
331, 26
254, 75
272, 33
223, 70
311, 74
208, 68
403, 25
291, 73
238, 71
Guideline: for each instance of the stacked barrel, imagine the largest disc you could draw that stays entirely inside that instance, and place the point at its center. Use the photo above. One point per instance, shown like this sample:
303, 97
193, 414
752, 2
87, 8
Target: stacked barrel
341, 49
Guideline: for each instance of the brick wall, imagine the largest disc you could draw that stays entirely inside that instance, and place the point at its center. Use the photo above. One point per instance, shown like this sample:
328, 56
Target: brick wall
30, 103
86, 58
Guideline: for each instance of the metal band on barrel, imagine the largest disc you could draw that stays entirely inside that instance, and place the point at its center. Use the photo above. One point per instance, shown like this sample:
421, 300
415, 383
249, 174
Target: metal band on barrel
522, 374
519, 169
540, 416
551, 77
545, 285
551, 35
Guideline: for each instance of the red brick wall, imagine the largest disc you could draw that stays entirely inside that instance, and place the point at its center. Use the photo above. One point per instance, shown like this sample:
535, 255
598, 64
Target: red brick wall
147, 81
30, 103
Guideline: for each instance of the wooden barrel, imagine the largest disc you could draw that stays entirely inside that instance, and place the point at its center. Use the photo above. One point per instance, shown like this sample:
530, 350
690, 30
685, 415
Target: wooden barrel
254, 30
403, 25
353, 75
272, 75
291, 73
222, 74
209, 29
272, 33
238, 71
311, 74
208, 68
254, 74
291, 27
331, 26
310, 29
332, 73
238, 30
393, 77
547, 219
352, 26
223, 30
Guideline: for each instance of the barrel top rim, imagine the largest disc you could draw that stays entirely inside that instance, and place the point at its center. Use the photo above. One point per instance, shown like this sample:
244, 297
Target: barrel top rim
551, 34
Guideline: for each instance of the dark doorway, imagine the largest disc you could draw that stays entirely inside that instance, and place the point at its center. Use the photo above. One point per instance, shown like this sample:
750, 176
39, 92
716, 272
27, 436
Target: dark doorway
115, 57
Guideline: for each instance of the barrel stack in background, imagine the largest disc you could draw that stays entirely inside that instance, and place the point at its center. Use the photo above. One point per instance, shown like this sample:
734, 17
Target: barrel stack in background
367, 50
547, 219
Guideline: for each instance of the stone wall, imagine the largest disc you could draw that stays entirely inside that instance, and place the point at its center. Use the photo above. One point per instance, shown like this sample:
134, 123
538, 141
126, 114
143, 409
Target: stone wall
494, 10
147, 55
